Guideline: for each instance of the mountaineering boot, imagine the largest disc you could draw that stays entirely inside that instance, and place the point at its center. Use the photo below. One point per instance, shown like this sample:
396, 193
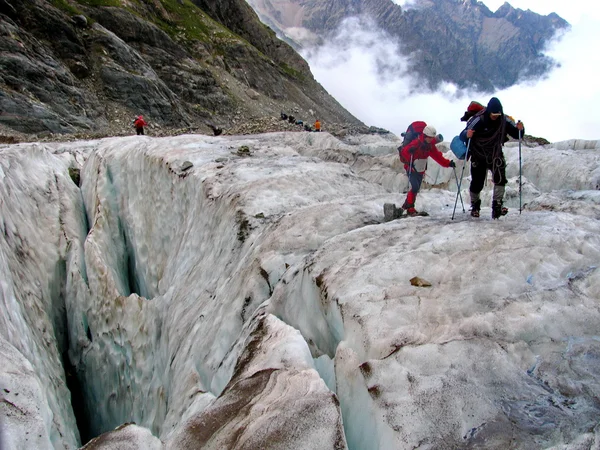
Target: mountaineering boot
498, 210
475, 208
410, 209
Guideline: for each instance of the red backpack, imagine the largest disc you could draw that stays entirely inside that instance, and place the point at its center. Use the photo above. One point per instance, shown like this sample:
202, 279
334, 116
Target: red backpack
473, 108
412, 132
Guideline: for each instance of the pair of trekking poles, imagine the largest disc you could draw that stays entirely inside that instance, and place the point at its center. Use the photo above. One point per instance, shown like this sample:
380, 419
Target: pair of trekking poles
459, 183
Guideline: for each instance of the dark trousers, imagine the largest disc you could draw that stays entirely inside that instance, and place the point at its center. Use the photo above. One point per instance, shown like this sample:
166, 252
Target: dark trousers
415, 179
139, 130
479, 170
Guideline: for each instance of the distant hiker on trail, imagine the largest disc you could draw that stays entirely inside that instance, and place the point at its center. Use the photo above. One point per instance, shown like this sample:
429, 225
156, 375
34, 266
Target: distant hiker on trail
139, 123
414, 156
488, 131
317, 125
217, 131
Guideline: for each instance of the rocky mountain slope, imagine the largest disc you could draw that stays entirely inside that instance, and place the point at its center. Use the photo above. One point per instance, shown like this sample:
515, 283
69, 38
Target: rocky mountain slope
87, 67
457, 41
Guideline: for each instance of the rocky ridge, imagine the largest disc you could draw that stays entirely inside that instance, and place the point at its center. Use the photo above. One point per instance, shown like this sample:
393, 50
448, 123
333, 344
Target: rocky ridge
87, 68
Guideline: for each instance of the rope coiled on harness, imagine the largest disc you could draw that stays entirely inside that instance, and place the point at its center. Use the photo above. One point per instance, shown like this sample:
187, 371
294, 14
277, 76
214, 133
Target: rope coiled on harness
493, 158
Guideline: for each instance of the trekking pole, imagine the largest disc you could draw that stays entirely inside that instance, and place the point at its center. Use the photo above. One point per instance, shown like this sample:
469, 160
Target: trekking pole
461, 200
461, 178
520, 173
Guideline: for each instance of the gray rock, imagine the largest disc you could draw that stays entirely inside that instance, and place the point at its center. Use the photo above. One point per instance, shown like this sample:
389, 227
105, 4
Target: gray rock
80, 21
391, 212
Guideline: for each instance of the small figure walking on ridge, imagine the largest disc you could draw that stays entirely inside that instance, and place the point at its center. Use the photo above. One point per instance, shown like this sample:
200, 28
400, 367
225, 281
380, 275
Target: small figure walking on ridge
488, 130
317, 125
139, 123
414, 156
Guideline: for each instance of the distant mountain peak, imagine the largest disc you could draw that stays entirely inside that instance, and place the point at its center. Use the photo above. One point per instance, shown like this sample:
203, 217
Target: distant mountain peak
462, 41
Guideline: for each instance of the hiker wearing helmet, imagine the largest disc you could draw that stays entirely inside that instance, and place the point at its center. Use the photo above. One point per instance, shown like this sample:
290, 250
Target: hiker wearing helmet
317, 125
414, 156
139, 123
488, 130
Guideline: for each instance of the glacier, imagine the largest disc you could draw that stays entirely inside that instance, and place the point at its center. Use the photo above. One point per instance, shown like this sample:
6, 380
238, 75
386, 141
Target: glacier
245, 292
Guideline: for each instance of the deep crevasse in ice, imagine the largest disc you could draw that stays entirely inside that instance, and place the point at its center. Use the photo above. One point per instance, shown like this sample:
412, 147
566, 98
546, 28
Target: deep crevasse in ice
171, 334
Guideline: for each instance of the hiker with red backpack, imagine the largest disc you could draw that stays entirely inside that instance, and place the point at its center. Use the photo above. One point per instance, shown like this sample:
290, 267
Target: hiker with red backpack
487, 131
414, 156
139, 123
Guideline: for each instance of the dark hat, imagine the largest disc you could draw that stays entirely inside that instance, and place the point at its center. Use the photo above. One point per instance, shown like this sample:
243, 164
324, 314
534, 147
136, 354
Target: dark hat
494, 106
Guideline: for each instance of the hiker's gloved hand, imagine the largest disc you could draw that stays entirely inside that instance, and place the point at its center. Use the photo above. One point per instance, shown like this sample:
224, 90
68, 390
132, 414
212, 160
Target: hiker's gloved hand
452, 164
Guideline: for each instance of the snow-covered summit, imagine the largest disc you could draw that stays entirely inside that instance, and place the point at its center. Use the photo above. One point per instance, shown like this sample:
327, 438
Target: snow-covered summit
245, 292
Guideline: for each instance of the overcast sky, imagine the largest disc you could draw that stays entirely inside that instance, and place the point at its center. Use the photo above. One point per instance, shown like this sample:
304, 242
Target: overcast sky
566, 105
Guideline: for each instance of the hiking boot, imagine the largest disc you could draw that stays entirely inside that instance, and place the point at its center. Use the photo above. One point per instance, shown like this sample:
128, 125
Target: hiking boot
412, 211
406, 206
498, 210
475, 208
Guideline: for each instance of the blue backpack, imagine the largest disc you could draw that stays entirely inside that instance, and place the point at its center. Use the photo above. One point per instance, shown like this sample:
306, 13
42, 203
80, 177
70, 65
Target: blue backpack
458, 147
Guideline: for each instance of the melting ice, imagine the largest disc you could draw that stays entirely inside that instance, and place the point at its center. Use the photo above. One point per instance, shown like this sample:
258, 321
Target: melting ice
245, 292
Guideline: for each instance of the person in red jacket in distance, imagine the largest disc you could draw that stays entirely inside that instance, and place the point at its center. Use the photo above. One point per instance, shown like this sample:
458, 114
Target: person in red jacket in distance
139, 123
414, 156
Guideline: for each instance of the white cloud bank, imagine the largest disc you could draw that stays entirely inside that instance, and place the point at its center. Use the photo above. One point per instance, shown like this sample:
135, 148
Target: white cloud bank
361, 70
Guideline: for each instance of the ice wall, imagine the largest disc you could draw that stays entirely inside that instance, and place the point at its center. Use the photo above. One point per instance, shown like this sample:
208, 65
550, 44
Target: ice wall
41, 236
179, 258
235, 284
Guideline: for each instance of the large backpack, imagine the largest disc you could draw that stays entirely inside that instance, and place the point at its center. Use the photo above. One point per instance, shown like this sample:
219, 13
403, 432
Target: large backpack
473, 108
412, 132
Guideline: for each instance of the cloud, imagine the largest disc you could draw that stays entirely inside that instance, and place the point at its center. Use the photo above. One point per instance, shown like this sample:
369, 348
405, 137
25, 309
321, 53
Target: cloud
361, 69
405, 3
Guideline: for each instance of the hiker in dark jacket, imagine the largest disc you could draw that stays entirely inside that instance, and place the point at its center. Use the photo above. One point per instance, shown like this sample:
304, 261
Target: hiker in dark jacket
414, 156
488, 131
139, 123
